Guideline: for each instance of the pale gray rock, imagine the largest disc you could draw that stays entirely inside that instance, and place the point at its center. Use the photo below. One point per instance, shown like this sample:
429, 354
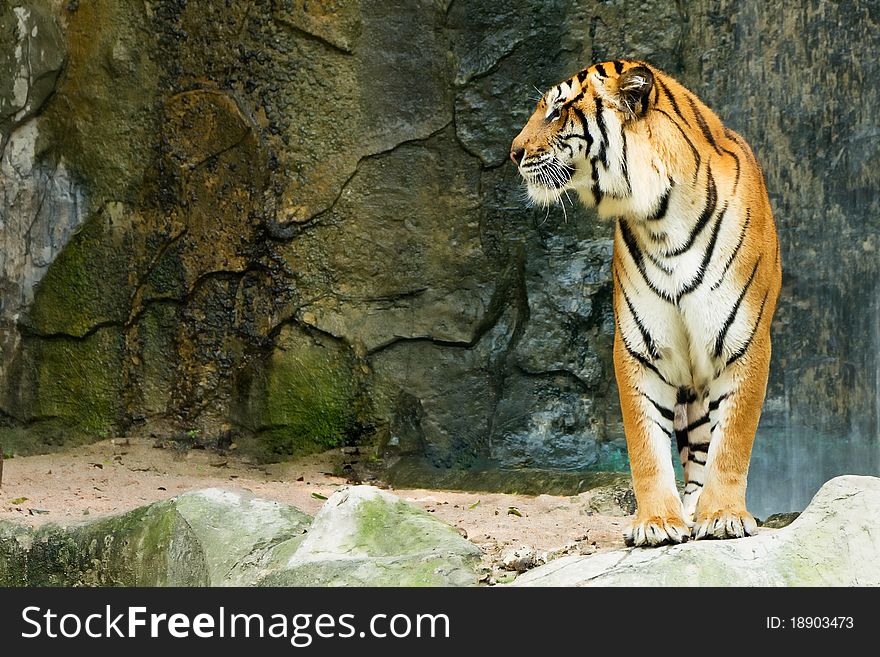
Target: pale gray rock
834, 542
362, 536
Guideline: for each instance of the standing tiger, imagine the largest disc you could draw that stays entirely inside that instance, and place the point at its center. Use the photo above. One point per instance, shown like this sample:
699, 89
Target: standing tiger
696, 273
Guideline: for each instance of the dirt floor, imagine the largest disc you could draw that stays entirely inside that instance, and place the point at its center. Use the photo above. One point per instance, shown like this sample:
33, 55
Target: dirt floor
118, 475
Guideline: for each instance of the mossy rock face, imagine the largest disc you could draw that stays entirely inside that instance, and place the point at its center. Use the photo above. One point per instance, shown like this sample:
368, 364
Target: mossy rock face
305, 398
166, 281
91, 281
71, 388
104, 114
343, 167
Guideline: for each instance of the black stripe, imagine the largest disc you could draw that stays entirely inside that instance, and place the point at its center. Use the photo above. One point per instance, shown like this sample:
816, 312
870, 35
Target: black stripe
704, 265
618, 66
600, 71
736, 180
664, 412
565, 139
664, 429
701, 121
629, 241
605, 69
696, 153
649, 365
596, 189
623, 166
681, 439
671, 99
583, 76
575, 99
708, 211
646, 336
588, 137
698, 423
713, 405
659, 265
698, 484
692, 457
742, 238
734, 137
579, 113
573, 135
639, 357
748, 344
719, 341
685, 396
603, 133
712, 428
663, 206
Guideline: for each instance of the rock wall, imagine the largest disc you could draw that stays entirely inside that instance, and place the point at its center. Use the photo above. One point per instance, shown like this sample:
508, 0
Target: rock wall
295, 223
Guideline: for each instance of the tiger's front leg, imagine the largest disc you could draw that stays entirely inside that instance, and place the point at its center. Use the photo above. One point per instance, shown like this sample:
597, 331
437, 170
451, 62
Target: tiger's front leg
735, 408
647, 403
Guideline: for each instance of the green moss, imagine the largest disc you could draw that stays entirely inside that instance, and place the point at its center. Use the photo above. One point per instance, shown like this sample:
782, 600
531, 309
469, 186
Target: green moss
306, 399
84, 286
156, 333
150, 546
308, 407
423, 573
395, 529
79, 382
14, 542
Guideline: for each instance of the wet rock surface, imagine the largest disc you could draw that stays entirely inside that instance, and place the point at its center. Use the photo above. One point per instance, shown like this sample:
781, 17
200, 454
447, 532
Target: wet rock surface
295, 224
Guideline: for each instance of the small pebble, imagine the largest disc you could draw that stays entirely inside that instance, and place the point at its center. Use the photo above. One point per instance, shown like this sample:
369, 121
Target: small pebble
519, 559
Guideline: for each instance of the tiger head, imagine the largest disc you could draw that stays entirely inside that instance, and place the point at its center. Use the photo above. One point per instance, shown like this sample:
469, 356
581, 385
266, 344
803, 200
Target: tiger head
575, 140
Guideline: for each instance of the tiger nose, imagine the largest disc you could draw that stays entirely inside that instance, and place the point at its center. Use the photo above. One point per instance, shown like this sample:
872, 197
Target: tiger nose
516, 154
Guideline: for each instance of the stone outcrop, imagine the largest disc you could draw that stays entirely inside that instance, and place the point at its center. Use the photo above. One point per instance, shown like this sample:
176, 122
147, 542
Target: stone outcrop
834, 542
362, 536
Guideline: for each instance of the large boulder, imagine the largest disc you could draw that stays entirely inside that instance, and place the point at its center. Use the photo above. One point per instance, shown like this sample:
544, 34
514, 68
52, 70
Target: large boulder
216, 537
834, 542
364, 536
211, 537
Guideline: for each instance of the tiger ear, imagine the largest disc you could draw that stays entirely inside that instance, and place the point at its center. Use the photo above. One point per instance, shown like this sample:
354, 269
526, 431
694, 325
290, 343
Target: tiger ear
633, 90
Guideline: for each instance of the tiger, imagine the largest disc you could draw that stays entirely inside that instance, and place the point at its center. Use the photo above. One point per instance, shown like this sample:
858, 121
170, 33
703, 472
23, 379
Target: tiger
696, 275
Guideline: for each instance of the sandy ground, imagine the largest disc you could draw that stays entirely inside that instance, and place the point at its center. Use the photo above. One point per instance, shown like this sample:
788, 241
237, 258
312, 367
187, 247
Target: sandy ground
118, 475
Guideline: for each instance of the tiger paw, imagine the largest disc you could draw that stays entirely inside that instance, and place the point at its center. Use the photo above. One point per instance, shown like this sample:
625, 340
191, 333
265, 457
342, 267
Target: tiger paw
728, 523
652, 531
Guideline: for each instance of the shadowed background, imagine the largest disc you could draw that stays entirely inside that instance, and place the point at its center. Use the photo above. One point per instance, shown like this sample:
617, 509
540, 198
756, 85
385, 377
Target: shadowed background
293, 225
